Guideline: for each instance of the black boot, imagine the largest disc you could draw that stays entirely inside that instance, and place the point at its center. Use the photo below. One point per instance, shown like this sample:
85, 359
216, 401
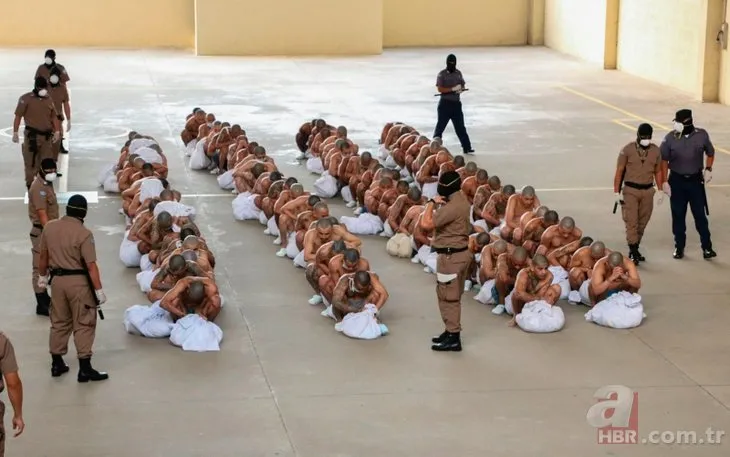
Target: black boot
678, 253
86, 373
633, 254
638, 254
452, 343
708, 254
58, 366
43, 304
440, 338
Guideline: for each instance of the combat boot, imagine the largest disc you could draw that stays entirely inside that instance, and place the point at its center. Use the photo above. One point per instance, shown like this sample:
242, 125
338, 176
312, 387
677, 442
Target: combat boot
43, 304
451, 343
633, 254
638, 254
58, 366
87, 373
440, 338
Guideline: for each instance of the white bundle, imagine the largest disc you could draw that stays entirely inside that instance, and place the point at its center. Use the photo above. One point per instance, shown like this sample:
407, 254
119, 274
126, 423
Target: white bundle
364, 224
621, 310
540, 317
193, 333
176, 209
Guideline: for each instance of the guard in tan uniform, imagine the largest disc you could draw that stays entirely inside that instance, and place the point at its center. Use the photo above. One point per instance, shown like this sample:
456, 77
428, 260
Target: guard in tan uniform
638, 168
49, 63
67, 250
42, 127
450, 222
60, 97
42, 208
9, 373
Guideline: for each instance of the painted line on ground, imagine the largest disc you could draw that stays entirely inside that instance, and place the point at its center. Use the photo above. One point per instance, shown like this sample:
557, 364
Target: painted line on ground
624, 112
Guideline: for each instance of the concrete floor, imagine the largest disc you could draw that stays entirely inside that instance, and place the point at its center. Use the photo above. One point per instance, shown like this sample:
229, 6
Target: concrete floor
285, 383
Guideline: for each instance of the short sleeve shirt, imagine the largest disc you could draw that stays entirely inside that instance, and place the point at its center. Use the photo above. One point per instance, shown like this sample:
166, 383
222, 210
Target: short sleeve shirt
38, 112
59, 95
67, 241
446, 78
8, 362
641, 165
452, 223
45, 71
41, 196
685, 153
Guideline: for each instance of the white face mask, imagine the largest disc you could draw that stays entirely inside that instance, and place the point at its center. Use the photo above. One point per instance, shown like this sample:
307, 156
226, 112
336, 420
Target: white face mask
43, 92
645, 143
50, 177
678, 127
54, 79
49, 61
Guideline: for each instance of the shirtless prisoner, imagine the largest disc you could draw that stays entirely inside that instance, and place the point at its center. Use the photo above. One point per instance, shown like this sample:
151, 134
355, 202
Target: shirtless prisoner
613, 273
582, 263
193, 295
517, 205
533, 282
355, 290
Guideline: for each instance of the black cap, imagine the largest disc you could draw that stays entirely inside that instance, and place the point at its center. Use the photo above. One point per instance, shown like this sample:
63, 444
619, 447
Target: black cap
683, 115
451, 58
40, 82
48, 164
645, 130
449, 183
77, 201
50, 53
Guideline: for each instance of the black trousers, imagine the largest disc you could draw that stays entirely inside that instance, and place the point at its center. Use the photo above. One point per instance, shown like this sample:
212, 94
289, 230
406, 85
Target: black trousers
450, 110
688, 190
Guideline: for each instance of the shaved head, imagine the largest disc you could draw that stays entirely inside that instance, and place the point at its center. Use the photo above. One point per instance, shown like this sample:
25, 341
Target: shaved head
340, 144
190, 256
313, 200
351, 256
471, 167
338, 246
567, 223
540, 260
528, 191
164, 220
482, 175
362, 278
551, 217
459, 161
494, 182
342, 130
297, 189
598, 249
586, 241
177, 264
483, 239
615, 259
191, 242
541, 210
499, 247
508, 190
366, 156
196, 292
414, 194
167, 195
520, 254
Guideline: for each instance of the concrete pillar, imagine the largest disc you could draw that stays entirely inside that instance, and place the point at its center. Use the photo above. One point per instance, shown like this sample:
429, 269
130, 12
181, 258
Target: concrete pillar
536, 23
711, 51
610, 50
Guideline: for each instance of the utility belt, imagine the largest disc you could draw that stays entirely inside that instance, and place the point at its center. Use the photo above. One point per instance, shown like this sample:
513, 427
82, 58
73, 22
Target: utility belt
634, 185
448, 251
37, 226
690, 177
33, 135
65, 272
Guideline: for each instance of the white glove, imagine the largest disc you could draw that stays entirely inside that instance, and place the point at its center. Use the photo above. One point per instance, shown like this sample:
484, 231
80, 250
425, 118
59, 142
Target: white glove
457, 88
100, 296
56, 137
619, 197
43, 282
68, 125
708, 176
667, 189
660, 200
16, 138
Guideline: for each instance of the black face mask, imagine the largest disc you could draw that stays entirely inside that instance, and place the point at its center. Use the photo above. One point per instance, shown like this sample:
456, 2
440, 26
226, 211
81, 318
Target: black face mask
451, 66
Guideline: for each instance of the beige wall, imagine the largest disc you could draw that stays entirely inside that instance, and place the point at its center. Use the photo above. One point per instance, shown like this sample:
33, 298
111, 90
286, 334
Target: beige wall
461, 23
724, 90
102, 23
285, 27
577, 27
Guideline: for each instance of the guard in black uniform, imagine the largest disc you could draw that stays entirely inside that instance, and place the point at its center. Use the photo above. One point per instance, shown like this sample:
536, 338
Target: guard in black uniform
450, 83
682, 153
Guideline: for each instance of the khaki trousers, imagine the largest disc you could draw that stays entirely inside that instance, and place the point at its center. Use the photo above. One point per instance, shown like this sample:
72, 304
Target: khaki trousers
73, 310
35, 241
636, 211
449, 292
32, 162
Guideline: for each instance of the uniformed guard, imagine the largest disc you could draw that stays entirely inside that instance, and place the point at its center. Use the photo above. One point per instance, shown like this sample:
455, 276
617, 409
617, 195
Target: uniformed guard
9, 373
682, 159
450, 222
41, 127
42, 208
67, 250
49, 63
637, 169
450, 83
60, 97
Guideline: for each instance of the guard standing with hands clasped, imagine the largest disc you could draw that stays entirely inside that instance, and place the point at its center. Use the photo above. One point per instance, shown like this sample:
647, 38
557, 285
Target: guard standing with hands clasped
637, 169
682, 159
67, 250
41, 127
451, 226
450, 83
9, 373
42, 208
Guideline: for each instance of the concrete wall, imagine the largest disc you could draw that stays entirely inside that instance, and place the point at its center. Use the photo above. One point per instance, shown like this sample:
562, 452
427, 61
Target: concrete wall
724, 89
461, 23
577, 28
102, 23
288, 27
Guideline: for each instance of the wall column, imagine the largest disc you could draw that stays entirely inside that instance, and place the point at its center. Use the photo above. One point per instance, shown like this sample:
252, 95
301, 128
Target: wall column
536, 23
711, 52
610, 50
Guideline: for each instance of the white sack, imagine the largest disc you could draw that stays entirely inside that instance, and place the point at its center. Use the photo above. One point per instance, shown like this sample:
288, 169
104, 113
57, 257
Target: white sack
621, 310
399, 246
198, 159
193, 333
363, 325
149, 155
314, 165
291, 246
145, 278
244, 207
144, 263
150, 188
299, 260
364, 224
325, 186
560, 277
129, 253
148, 321
539, 317
176, 209
226, 181
139, 143
106, 172
272, 227
111, 185
346, 194
485, 293
429, 190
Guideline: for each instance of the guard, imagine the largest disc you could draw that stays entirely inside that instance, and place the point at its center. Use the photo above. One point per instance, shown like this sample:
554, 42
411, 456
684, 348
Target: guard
67, 250
451, 226
41, 127
682, 153
59, 95
49, 63
42, 208
450, 83
9, 373
637, 169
